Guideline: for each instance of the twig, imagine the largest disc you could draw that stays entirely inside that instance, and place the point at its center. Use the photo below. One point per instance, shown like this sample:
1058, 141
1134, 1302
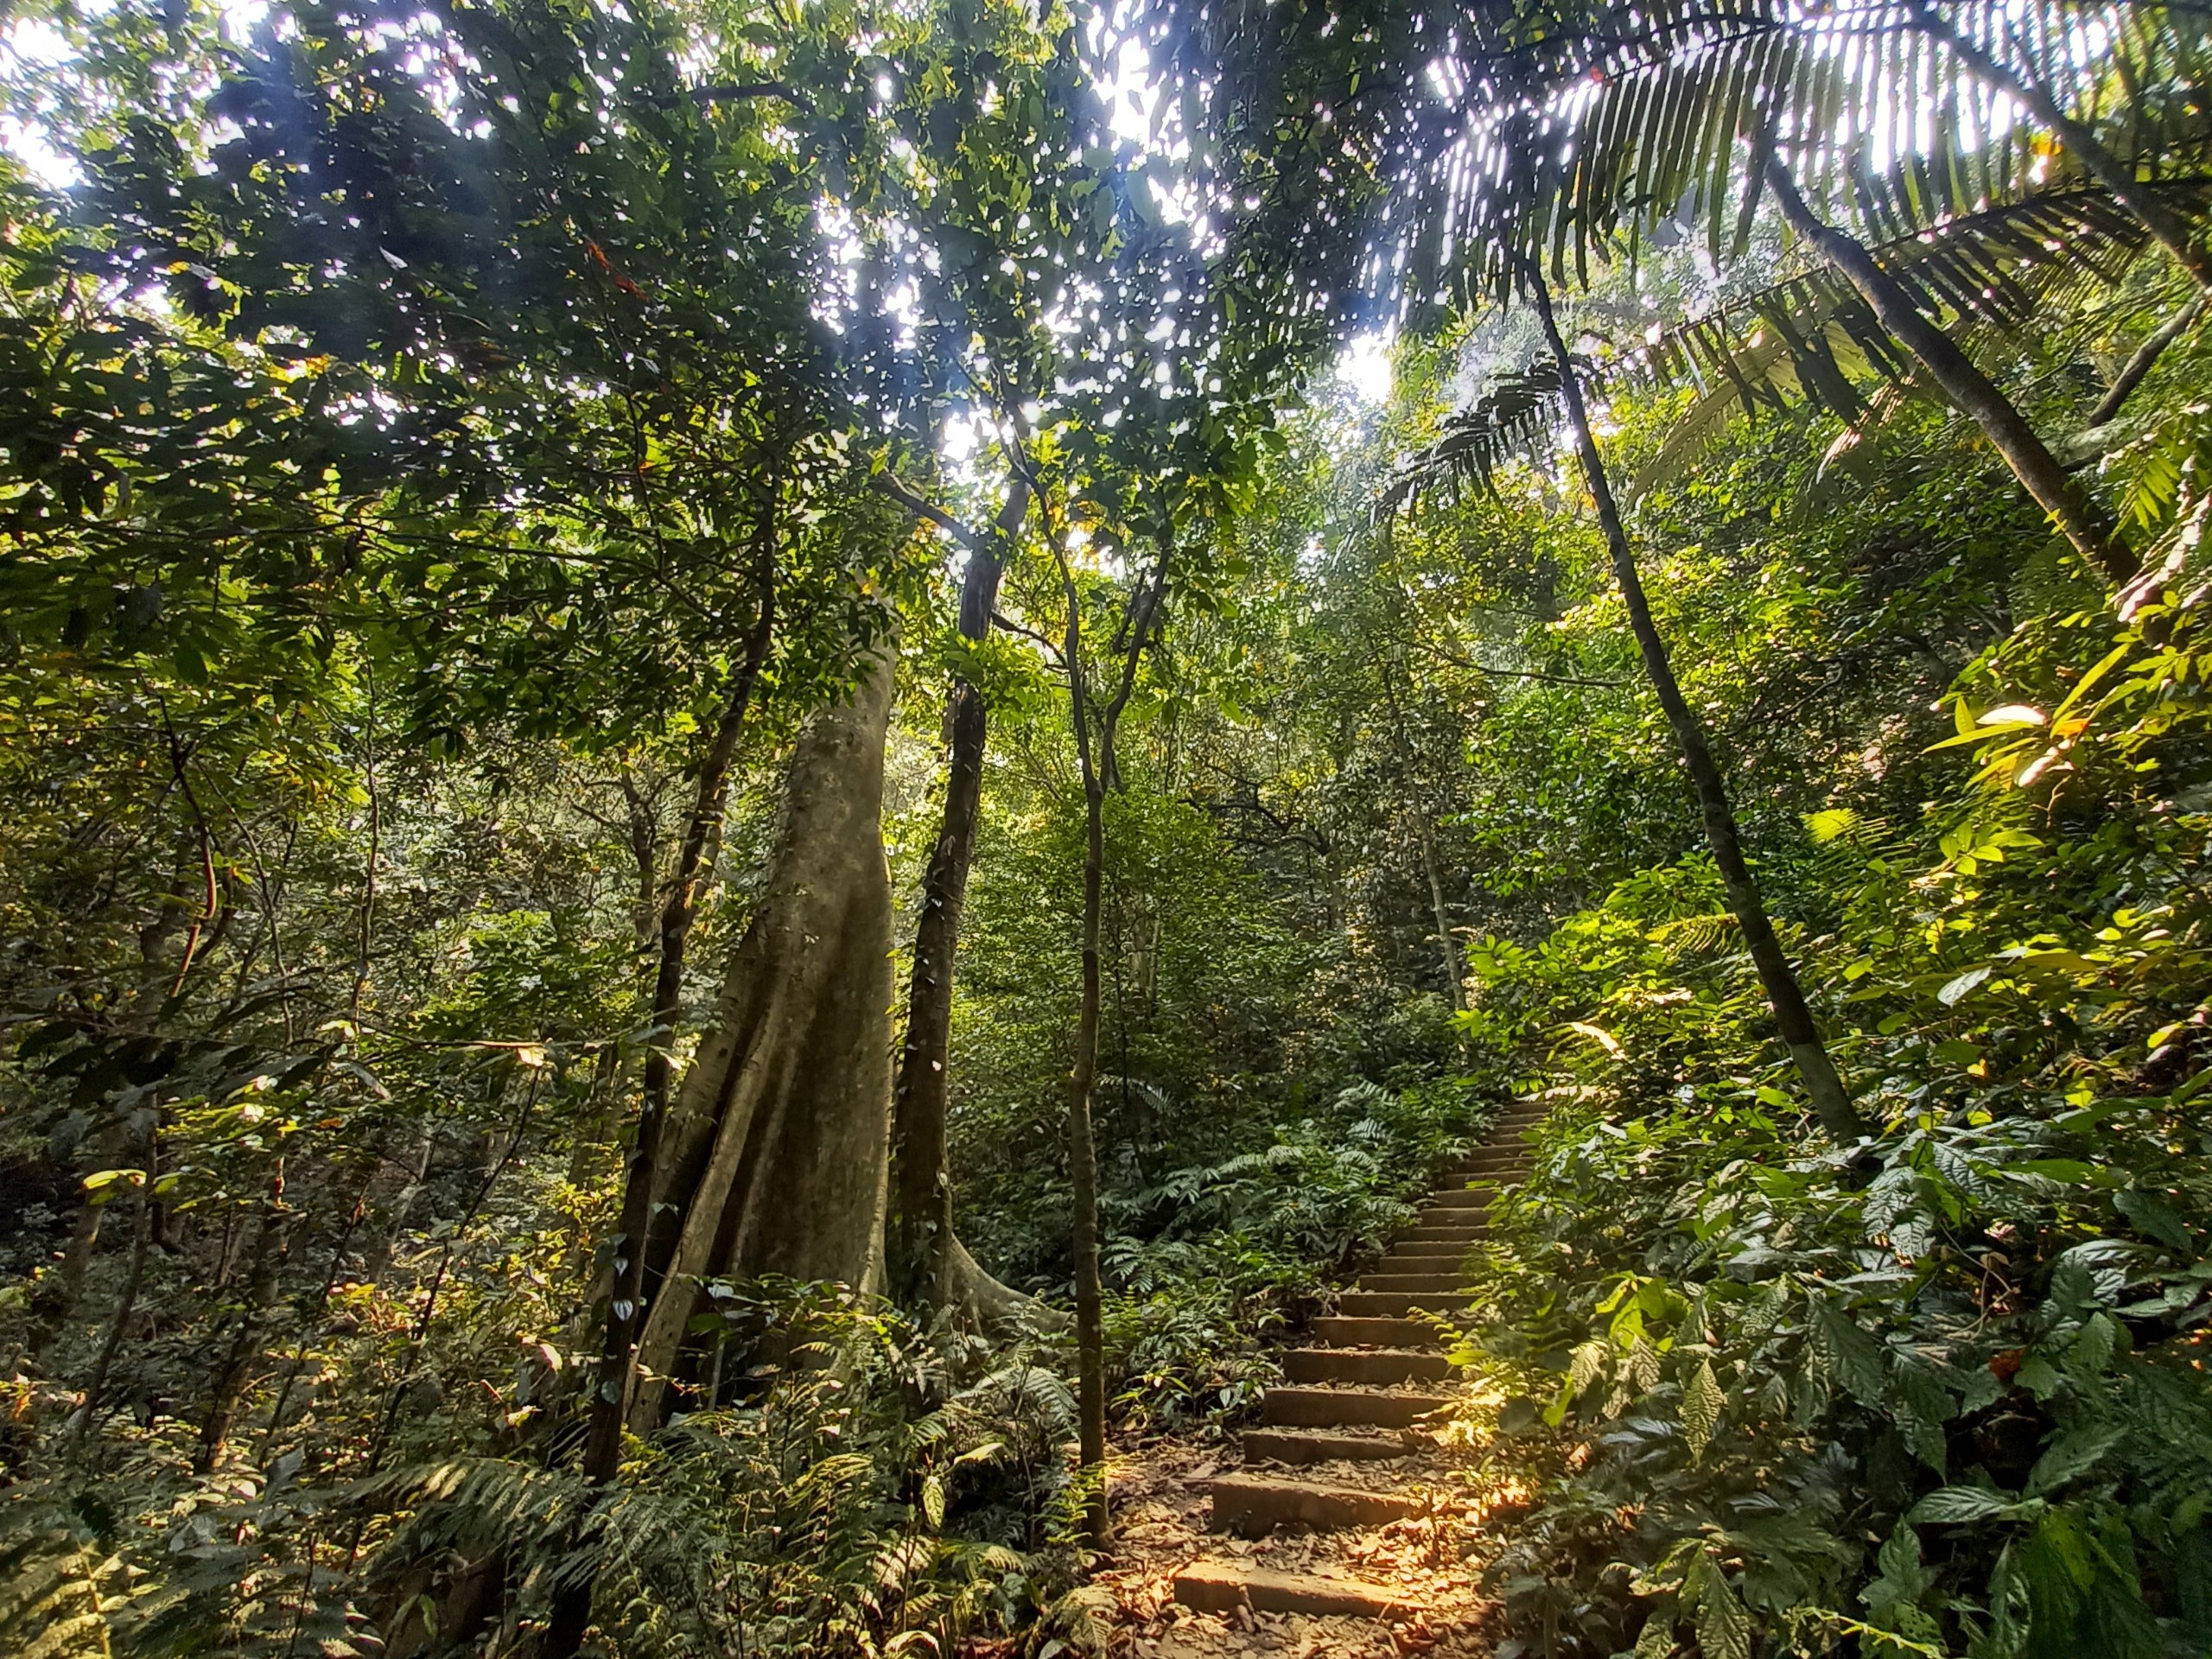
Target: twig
999, 619
742, 91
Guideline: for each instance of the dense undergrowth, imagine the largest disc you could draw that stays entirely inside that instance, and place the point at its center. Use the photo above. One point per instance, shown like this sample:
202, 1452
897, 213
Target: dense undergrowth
1942, 1392
885, 1486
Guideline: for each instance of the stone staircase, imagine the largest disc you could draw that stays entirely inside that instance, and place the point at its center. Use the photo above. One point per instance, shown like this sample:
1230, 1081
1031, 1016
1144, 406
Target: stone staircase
1351, 1402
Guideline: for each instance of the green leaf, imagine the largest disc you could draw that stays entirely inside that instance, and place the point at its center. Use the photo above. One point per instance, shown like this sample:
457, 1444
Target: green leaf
1702, 1404
2071, 1172
1724, 1624
1832, 824
1957, 1505
2153, 1217
1956, 990
2072, 1457
1854, 1356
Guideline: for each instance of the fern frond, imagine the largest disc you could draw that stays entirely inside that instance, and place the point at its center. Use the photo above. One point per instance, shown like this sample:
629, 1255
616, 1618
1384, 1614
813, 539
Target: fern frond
55, 1595
1695, 935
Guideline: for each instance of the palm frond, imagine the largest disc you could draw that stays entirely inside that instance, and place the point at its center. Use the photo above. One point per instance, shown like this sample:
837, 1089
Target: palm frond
1457, 143
1474, 440
1994, 271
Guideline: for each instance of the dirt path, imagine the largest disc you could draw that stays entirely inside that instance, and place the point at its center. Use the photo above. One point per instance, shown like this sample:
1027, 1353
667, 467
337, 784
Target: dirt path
1339, 1526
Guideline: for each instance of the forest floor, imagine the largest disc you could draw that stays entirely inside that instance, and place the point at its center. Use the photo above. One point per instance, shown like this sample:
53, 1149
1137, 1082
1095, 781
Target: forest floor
1164, 1513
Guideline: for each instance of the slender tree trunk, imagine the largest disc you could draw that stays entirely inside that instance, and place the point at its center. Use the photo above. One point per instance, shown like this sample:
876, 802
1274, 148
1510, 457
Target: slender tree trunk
1096, 766
2146, 358
312, 1318
1455, 969
55, 1303
924, 1263
134, 1276
1082, 1149
270, 1245
2007, 429
2099, 163
1832, 1104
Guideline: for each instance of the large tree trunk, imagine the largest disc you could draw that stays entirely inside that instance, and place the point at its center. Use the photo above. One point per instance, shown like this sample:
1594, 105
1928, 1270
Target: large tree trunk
1832, 1103
924, 1260
2007, 429
774, 1153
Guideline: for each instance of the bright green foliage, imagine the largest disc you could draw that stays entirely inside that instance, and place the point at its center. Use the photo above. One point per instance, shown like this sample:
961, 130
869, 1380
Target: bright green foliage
1984, 1332
418, 422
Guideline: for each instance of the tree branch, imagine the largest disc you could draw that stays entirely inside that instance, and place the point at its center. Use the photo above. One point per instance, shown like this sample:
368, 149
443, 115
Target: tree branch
886, 484
2145, 357
1457, 661
1000, 619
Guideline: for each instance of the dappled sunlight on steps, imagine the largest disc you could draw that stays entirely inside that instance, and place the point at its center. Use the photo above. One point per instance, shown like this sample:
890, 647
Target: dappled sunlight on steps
1339, 1452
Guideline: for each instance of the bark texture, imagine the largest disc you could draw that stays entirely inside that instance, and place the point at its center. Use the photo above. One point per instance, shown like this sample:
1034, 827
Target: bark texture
773, 1156
925, 1262
2007, 429
1832, 1104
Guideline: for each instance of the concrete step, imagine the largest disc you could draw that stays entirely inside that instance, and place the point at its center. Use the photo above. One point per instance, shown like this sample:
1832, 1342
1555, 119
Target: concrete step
1364, 1329
1320, 1446
1293, 1407
1223, 1586
1460, 1202
1252, 1504
1395, 1305
1431, 1279
1431, 1224
1382, 1366
1429, 1249
1443, 1232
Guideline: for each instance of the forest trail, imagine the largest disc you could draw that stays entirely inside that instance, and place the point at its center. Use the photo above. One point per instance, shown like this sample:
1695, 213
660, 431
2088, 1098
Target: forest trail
1347, 1530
